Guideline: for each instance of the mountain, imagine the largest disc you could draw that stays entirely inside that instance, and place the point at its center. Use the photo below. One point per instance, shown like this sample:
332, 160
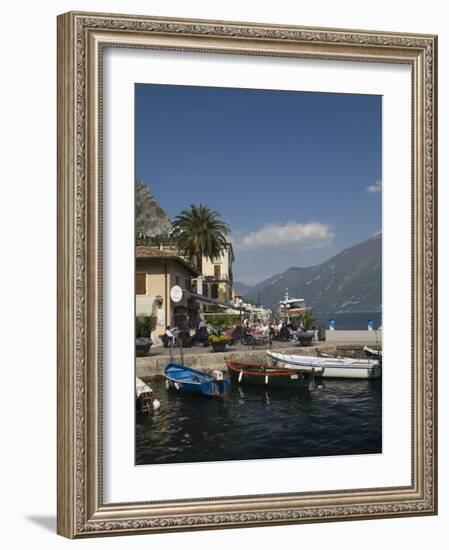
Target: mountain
241, 289
151, 219
348, 282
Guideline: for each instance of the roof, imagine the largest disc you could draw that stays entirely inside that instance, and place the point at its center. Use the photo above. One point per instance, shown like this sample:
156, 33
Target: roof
145, 252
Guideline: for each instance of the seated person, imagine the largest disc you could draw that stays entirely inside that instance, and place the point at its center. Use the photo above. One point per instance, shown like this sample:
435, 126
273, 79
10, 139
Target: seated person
183, 338
202, 335
236, 334
168, 337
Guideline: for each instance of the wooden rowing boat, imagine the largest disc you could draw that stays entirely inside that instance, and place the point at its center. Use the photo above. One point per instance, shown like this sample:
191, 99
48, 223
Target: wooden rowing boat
258, 375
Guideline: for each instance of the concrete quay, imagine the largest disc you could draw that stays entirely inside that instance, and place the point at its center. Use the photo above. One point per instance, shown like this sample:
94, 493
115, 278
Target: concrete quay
207, 360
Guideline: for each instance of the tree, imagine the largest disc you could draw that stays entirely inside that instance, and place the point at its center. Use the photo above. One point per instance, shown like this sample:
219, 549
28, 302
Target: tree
199, 232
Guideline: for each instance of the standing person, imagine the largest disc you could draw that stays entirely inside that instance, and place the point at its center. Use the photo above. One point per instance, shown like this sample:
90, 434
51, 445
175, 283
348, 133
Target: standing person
201, 334
284, 333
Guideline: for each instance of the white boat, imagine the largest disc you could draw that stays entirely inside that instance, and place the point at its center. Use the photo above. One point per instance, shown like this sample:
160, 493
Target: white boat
372, 352
328, 366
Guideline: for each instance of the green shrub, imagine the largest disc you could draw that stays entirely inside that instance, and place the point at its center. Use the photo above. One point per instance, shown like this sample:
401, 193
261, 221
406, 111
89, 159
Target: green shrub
305, 320
213, 339
145, 324
222, 321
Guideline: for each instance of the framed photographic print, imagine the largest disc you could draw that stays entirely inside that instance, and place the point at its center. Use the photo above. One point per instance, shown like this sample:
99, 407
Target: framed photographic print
246, 276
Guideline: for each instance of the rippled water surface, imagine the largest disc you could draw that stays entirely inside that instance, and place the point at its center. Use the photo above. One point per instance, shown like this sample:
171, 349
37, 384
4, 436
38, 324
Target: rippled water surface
341, 417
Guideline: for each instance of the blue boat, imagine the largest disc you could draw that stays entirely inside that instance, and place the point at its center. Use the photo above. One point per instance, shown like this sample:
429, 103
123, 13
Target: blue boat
186, 379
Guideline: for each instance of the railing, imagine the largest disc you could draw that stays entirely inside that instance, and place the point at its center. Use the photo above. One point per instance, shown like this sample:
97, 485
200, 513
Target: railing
213, 279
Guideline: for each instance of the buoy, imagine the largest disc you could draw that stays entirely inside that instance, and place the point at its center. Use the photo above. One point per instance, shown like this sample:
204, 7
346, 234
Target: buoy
266, 379
156, 404
240, 376
177, 386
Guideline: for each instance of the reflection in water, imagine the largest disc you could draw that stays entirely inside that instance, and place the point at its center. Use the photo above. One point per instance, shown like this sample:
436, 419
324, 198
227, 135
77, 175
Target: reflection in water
333, 417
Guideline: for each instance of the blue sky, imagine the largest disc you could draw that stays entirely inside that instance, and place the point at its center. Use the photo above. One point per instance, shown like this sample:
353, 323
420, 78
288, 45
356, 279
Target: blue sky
297, 175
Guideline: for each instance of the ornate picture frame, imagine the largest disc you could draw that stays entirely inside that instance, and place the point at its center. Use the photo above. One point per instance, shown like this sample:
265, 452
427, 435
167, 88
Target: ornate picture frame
82, 38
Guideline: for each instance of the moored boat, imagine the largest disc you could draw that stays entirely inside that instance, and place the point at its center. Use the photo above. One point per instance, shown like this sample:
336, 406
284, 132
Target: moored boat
251, 373
185, 379
331, 367
145, 401
372, 352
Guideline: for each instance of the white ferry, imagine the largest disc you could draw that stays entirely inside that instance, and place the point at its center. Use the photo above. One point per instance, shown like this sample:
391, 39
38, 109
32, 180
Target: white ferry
291, 306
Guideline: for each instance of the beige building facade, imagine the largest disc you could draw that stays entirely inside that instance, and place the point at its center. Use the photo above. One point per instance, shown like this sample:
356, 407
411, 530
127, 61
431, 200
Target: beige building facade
216, 278
157, 272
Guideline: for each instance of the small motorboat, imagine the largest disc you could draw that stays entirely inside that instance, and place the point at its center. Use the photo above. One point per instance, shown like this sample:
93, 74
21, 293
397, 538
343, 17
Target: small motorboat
260, 375
185, 379
371, 352
145, 401
331, 367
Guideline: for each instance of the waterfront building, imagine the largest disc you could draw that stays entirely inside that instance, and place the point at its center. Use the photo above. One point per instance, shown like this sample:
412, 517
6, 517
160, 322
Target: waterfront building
157, 272
252, 312
216, 278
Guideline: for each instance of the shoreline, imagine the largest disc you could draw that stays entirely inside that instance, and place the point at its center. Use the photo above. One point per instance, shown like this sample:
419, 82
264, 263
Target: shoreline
150, 366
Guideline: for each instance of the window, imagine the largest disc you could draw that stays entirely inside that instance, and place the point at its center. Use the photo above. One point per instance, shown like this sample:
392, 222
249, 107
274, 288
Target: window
141, 283
187, 284
177, 280
214, 291
217, 271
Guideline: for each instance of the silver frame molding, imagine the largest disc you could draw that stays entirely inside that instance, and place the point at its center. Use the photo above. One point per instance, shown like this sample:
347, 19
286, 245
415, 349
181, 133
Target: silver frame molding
81, 39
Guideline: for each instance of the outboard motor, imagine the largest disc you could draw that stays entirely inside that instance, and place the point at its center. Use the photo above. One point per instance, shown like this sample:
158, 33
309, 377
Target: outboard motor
221, 383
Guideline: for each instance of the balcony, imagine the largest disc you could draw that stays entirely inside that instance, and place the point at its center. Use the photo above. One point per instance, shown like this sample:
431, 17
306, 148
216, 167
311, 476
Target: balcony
214, 279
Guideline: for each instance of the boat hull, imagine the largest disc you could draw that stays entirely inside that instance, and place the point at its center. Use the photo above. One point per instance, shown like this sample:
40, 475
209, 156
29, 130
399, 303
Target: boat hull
186, 379
248, 373
327, 368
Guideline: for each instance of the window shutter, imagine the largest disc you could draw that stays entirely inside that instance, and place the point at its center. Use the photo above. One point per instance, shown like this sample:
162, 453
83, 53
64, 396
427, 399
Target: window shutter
141, 287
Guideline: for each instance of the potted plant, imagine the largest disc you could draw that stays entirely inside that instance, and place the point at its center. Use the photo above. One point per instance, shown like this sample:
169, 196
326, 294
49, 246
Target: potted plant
218, 343
145, 324
305, 338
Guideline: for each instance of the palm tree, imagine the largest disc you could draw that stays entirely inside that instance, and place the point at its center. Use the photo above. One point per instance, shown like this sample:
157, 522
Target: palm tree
307, 319
199, 232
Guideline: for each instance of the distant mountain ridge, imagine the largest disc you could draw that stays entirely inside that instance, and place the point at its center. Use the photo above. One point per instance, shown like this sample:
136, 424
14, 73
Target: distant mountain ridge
351, 281
151, 219
241, 288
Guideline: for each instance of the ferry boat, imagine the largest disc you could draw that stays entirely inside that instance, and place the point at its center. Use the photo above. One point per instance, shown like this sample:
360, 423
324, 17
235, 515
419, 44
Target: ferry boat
291, 307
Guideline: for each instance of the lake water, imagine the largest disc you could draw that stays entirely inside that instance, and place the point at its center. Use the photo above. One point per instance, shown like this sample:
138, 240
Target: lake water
349, 321
342, 417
